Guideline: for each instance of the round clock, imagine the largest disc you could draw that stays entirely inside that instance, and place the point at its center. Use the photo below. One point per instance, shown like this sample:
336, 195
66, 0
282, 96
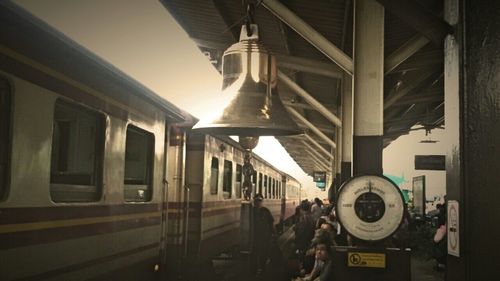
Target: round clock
370, 207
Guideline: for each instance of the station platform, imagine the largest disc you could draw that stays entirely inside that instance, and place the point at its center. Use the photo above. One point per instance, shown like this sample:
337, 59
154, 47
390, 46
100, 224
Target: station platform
237, 269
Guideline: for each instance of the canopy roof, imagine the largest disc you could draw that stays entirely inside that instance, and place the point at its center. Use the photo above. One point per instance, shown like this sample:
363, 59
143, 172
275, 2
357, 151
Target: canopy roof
413, 85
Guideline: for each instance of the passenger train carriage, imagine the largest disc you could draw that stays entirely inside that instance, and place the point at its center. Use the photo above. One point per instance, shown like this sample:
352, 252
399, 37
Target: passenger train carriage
102, 179
212, 192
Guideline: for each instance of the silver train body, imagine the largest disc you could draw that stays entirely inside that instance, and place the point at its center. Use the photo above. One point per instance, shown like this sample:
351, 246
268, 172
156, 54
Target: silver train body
100, 178
205, 199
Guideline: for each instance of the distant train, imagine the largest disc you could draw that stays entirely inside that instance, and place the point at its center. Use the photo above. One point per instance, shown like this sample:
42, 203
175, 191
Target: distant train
102, 179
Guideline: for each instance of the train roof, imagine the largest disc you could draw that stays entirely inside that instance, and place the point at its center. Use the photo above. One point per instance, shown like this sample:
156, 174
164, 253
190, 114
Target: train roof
23, 33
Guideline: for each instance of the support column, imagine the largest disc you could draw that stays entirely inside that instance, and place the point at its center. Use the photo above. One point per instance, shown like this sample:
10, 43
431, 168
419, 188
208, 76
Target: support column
368, 87
338, 155
453, 90
472, 106
346, 161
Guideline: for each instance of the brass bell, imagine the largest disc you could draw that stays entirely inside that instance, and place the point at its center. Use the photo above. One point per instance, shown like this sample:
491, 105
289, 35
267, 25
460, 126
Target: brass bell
249, 86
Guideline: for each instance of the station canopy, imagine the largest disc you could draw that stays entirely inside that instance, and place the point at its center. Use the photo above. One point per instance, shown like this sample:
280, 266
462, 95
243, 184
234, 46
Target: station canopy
413, 50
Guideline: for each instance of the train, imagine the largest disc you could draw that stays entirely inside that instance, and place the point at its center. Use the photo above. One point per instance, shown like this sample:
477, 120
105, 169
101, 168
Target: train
101, 178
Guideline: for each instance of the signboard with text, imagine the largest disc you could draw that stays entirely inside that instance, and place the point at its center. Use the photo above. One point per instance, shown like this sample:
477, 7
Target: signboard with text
319, 176
358, 259
430, 162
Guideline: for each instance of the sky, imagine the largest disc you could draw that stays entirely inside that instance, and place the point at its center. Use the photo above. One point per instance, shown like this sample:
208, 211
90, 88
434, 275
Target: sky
141, 38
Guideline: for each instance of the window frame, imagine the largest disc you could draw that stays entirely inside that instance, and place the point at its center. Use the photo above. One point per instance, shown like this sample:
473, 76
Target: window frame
238, 180
274, 188
215, 190
260, 183
228, 180
266, 180
99, 149
269, 187
6, 138
150, 164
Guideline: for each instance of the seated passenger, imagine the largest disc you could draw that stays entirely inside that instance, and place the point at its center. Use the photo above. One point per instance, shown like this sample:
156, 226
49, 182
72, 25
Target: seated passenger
324, 233
322, 270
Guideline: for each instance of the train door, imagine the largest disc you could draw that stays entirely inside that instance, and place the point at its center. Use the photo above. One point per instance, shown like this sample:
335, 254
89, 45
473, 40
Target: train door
173, 206
164, 200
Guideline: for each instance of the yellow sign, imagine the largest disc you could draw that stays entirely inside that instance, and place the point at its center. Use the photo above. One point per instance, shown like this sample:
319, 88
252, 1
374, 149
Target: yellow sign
356, 259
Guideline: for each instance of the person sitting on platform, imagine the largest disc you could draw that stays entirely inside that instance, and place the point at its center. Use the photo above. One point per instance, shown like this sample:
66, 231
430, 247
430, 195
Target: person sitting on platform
324, 233
322, 270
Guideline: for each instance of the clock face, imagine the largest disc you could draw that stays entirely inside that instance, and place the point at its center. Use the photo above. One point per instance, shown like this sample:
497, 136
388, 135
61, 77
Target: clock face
370, 207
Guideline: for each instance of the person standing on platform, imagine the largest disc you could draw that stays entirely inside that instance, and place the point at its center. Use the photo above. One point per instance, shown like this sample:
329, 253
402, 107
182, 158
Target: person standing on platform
304, 228
263, 234
317, 209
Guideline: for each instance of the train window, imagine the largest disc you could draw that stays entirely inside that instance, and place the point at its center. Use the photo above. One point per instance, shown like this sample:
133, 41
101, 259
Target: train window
274, 188
238, 181
139, 152
5, 103
214, 175
269, 188
260, 183
227, 179
265, 186
279, 189
77, 153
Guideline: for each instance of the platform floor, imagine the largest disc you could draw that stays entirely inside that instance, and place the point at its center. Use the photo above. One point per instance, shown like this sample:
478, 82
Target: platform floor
237, 269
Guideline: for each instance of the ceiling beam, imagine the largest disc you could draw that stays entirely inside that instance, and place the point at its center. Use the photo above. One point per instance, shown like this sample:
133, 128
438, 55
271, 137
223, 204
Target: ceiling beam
394, 96
410, 121
418, 17
319, 146
419, 99
298, 105
316, 153
306, 157
311, 126
310, 34
321, 128
316, 160
309, 65
298, 149
224, 14
309, 99
405, 51
420, 61
285, 61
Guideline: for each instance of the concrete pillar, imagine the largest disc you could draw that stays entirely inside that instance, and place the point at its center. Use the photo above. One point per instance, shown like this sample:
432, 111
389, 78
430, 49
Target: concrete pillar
338, 155
368, 87
472, 110
346, 161
452, 93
